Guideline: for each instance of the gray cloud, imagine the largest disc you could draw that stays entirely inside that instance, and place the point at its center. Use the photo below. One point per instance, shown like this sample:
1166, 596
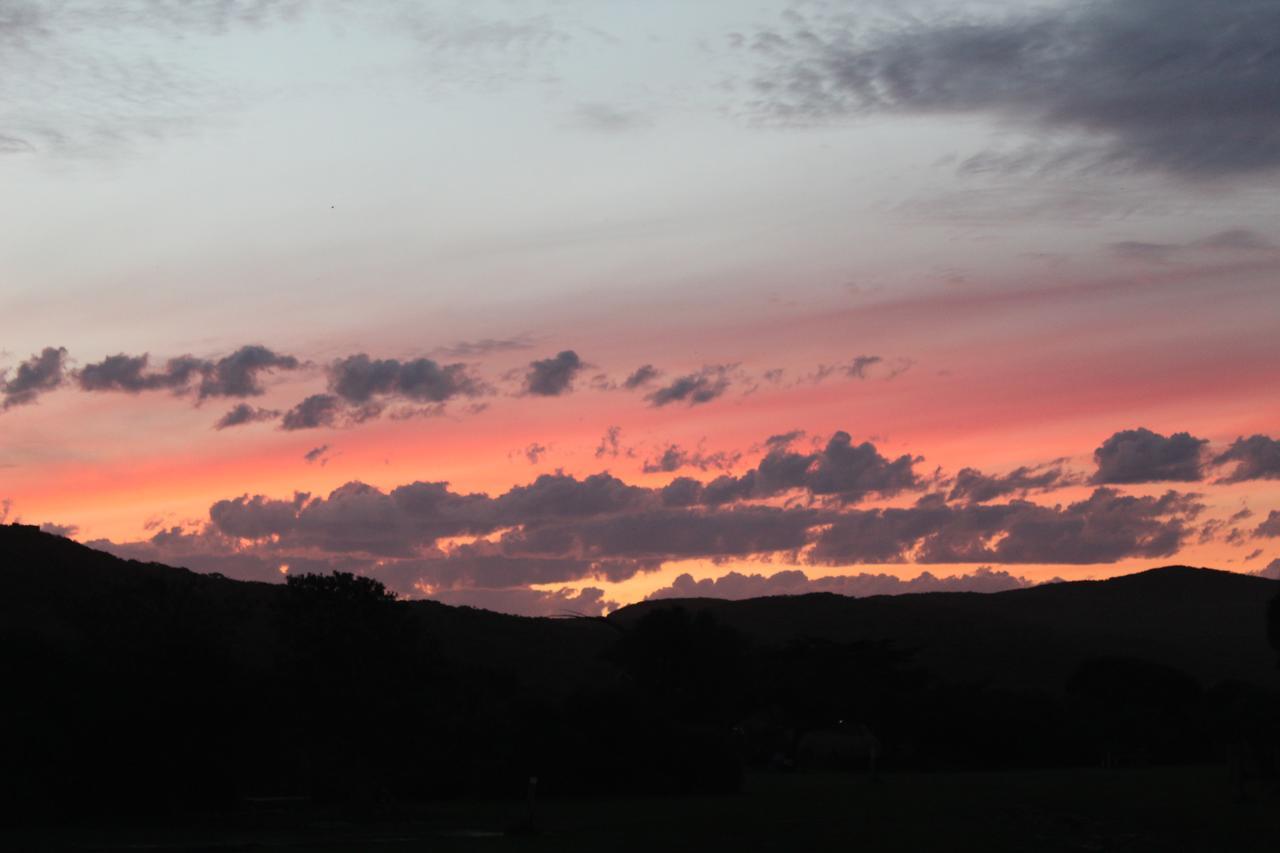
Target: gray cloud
64, 530
1142, 456
37, 375
483, 346
1271, 572
237, 375
358, 379
642, 375
550, 377
317, 454
426, 538
130, 374
1184, 87
609, 443
243, 413
588, 601
702, 387
976, 487
608, 118
1270, 527
841, 470
318, 410
1255, 458
234, 375
1233, 240
736, 586
674, 458
1105, 527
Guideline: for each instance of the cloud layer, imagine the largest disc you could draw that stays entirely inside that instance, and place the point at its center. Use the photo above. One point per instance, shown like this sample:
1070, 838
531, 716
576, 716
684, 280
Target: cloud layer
1183, 87
802, 508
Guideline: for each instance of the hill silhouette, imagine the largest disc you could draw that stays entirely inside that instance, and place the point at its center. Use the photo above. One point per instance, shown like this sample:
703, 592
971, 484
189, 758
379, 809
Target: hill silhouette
143, 687
1208, 622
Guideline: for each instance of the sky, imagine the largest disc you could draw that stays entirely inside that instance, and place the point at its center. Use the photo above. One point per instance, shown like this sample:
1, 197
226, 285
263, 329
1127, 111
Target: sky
549, 307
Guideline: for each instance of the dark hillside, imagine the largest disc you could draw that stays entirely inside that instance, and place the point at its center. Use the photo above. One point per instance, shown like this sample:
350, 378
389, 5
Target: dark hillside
1210, 623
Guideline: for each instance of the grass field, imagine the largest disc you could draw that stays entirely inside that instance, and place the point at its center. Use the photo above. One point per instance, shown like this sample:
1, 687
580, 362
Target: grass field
1166, 809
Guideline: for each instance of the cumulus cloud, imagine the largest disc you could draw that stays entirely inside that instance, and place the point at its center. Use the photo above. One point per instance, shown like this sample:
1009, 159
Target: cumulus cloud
1270, 527
551, 377
317, 454
130, 374
239, 374
318, 410
38, 375
588, 601
1183, 87
694, 388
841, 470
609, 444
243, 413
736, 586
641, 376
1142, 456
1105, 527
1255, 458
534, 452
972, 485
427, 538
674, 458
358, 379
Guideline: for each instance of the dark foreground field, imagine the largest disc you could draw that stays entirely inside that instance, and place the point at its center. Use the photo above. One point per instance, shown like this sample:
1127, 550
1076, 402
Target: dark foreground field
1160, 809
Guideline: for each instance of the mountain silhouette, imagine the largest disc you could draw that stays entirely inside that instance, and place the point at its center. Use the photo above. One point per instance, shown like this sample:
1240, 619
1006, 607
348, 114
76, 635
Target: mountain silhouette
139, 687
1210, 623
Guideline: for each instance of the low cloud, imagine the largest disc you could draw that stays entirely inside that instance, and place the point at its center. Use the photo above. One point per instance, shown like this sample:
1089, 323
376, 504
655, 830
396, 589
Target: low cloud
317, 455
693, 389
1142, 456
796, 507
483, 346
1254, 458
358, 379
318, 410
588, 601
609, 443
39, 374
236, 375
551, 377
243, 413
674, 458
738, 586
973, 486
1270, 527
641, 376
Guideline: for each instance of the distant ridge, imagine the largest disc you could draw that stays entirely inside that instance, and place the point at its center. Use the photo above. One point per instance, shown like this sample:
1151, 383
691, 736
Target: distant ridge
1208, 622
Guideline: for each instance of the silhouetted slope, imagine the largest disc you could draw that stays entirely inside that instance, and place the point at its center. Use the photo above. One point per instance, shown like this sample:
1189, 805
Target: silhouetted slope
1210, 623
138, 686
1207, 622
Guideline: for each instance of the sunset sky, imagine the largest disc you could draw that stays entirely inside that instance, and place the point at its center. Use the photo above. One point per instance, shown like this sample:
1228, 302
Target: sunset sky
552, 306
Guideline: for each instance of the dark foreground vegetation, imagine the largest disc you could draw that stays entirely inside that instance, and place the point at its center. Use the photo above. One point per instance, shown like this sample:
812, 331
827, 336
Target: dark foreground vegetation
325, 712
